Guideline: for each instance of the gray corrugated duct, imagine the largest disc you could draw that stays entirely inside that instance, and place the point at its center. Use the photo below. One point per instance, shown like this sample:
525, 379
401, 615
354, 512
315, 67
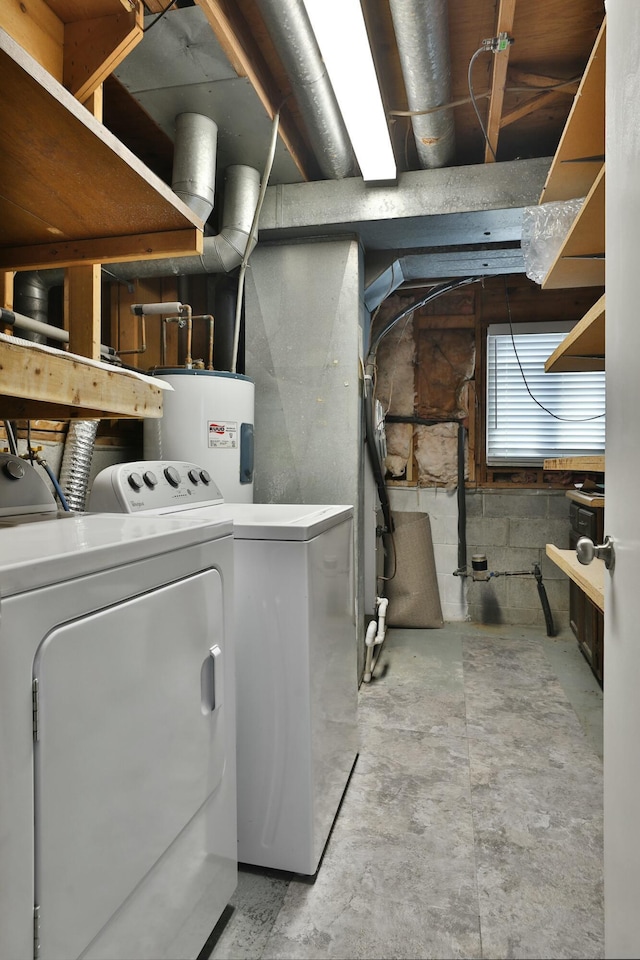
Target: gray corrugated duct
422, 33
223, 252
293, 38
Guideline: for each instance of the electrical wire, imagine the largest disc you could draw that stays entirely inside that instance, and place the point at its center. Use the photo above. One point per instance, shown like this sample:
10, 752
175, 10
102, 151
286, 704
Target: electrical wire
556, 416
256, 216
11, 438
483, 96
473, 98
160, 15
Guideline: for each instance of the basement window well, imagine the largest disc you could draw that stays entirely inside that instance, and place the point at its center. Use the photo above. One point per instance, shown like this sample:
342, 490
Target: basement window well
533, 415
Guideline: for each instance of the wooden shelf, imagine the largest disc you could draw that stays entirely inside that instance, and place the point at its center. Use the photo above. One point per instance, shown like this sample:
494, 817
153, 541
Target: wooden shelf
583, 347
70, 192
61, 386
586, 501
589, 578
583, 464
580, 260
572, 173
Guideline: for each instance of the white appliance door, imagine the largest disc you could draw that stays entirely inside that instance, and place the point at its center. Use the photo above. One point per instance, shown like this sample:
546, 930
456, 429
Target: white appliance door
622, 518
130, 745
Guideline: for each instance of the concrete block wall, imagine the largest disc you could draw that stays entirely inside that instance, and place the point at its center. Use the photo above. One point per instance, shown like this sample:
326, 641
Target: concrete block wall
442, 507
512, 527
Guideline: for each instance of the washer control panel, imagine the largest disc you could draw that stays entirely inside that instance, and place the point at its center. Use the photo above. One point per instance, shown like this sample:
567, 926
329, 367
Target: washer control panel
152, 485
22, 489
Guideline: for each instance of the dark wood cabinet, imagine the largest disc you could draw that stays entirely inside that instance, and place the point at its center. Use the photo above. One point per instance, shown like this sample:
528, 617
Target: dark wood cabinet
587, 621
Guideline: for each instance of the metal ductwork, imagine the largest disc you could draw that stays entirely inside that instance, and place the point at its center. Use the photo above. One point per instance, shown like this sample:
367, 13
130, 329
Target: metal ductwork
194, 162
295, 42
422, 34
221, 253
31, 299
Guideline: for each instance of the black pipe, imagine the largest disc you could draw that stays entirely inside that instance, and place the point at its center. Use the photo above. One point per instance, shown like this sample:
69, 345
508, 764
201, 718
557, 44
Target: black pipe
546, 609
374, 455
462, 503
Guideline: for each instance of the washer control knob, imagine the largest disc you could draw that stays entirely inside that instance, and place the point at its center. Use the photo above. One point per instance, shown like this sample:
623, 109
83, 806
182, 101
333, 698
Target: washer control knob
135, 481
194, 476
150, 479
205, 477
14, 469
172, 476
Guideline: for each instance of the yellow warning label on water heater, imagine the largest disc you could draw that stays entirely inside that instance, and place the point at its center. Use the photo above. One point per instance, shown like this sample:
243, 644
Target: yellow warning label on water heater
222, 433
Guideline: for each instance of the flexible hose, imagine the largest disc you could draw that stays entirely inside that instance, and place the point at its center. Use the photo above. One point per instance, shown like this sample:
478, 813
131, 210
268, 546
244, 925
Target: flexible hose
56, 485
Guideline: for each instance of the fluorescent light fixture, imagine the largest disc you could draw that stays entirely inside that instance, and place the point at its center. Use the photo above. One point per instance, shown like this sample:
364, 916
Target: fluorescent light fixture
342, 37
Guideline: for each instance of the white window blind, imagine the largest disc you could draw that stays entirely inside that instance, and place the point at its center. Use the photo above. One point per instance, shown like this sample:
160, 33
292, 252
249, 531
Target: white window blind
518, 430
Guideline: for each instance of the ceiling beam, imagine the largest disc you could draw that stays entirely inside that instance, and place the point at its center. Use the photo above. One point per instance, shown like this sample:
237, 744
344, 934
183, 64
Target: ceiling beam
245, 58
506, 14
529, 106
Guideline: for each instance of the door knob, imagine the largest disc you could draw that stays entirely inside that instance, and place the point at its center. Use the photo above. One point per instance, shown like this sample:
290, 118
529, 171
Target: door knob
586, 550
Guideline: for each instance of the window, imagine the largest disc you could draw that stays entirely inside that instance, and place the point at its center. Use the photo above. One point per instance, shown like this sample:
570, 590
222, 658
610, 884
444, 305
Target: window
519, 431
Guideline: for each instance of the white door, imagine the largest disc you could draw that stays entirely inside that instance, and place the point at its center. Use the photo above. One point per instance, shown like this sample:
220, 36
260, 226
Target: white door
622, 515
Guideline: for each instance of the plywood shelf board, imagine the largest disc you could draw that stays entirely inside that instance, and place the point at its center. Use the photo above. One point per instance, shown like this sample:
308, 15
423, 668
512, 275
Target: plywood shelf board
64, 177
584, 133
589, 578
583, 347
584, 464
580, 260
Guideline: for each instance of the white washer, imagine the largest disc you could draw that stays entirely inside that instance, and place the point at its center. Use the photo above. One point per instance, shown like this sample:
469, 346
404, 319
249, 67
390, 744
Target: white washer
296, 653
117, 712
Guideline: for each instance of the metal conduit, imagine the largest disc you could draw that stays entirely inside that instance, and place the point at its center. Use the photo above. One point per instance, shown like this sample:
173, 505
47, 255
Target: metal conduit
293, 38
422, 33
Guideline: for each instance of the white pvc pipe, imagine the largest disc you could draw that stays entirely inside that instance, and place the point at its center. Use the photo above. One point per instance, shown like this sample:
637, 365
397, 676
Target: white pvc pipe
369, 640
383, 603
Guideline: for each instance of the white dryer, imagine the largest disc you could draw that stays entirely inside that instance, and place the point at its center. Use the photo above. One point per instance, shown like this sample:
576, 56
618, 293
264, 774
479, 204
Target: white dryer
117, 716
296, 653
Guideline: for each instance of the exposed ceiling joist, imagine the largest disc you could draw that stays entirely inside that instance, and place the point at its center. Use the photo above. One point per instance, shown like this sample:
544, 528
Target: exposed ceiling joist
506, 15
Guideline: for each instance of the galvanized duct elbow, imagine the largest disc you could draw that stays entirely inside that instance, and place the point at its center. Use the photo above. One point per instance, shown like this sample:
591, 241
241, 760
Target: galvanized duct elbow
194, 162
221, 253
422, 34
293, 38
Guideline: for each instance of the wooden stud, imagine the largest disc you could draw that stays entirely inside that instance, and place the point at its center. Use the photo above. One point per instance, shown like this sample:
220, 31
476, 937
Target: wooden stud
529, 106
95, 103
6, 288
506, 14
82, 309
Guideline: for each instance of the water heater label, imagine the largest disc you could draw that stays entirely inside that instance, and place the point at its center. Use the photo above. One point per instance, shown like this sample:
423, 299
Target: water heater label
222, 433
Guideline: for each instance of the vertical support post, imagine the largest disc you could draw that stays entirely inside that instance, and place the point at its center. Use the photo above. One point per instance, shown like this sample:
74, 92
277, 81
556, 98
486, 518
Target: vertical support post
82, 309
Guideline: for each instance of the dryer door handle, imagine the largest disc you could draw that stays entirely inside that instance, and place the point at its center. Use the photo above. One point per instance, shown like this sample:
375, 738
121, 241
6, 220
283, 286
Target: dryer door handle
211, 681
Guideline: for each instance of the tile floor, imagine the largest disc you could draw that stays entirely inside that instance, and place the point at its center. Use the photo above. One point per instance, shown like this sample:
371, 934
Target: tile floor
472, 824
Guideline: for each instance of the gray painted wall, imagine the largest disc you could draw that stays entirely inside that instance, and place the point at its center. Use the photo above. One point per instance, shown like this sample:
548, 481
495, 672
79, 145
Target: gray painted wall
304, 317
